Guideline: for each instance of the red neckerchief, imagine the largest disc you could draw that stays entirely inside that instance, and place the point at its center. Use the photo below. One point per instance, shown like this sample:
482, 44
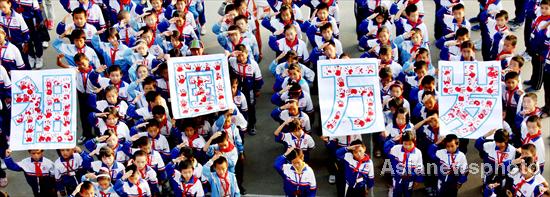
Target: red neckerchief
235, 44
114, 128
539, 20
293, 43
406, 157
123, 3
113, 55
243, 67
488, 3
69, 166
510, 94
4, 46
501, 30
225, 186
530, 136
37, 168
191, 139
435, 132
180, 29
164, 123
84, 74
285, 23
377, 3
117, 85
143, 172
413, 2
537, 110
330, 2
140, 192
115, 148
103, 194
415, 23
186, 186
298, 141
401, 128
500, 156
153, 40
520, 184
81, 50
502, 53
359, 162
414, 48
227, 149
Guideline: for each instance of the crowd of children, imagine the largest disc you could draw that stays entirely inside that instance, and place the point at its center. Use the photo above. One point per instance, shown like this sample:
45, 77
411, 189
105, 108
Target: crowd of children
131, 145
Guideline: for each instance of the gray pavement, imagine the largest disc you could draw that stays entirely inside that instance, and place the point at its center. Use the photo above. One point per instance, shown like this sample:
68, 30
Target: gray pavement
261, 150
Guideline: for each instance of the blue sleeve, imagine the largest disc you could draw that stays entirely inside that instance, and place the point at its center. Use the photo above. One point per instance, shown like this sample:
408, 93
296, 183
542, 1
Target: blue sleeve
65, 4
60, 28
517, 121
92, 103
364, 27
272, 4
134, 130
279, 138
258, 83
86, 160
266, 22
170, 168
276, 99
175, 153
388, 145
272, 42
127, 148
94, 78
92, 119
398, 40
440, 43
278, 165
341, 152
90, 144
222, 41
132, 112
276, 115
479, 145
432, 148
216, 28
163, 26
119, 189
12, 165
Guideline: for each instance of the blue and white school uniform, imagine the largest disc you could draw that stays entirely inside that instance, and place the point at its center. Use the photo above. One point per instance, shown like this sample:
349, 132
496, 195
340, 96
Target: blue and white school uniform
112, 55
534, 186
453, 167
187, 33
121, 129
88, 29
37, 173
121, 106
183, 188
154, 158
300, 48
358, 174
451, 25
407, 167
230, 153
538, 141
305, 103
221, 186
134, 9
70, 50
393, 130
115, 171
403, 25
304, 142
491, 155
296, 184
11, 58
67, 172
368, 26
15, 27
282, 116
407, 48
122, 87
125, 188
279, 69
120, 155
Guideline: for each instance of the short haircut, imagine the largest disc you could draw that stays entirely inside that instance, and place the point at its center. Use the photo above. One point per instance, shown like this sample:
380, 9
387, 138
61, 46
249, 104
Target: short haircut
519, 59
77, 34
410, 9
79, 10
502, 136
458, 7
511, 75
512, 38
114, 68
428, 79
385, 73
105, 152
531, 95
151, 96
535, 119
502, 13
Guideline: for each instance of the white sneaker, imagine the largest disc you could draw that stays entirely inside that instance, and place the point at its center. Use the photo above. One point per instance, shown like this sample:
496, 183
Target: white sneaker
39, 63
526, 56
331, 179
203, 31
3, 166
32, 62
477, 45
45, 44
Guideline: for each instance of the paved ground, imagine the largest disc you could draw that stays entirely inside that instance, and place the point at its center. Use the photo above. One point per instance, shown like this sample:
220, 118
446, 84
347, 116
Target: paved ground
261, 150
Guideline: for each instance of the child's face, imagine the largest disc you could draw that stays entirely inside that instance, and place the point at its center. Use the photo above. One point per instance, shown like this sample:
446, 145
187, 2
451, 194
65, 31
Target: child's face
429, 103
330, 51
180, 21
104, 183
112, 141
421, 72
508, 46
322, 14
386, 81
221, 169
242, 57
140, 162
187, 173
286, 15
148, 36
160, 117
142, 49
423, 57
153, 131
416, 38
396, 92
36, 154
297, 133
458, 14
413, 16
434, 123
112, 120
379, 19
157, 4
501, 145
66, 153
451, 146
87, 193
108, 160
545, 9
529, 104
134, 178
527, 153
408, 145
227, 122
235, 37
5, 6
401, 119
327, 34
164, 74
146, 148
148, 88
429, 87
511, 84
467, 52
514, 66
2, 37
234, 88
113, 41
532, 127
463, 38
80, 42
295, 75
80, 20
111, 97
293, 110
384, 36
385, 57
175, 41
83, 64
180, 5
501, 21
115, 77
359, 153
298, 163
290, 34
189, 131
243, 25
142, 72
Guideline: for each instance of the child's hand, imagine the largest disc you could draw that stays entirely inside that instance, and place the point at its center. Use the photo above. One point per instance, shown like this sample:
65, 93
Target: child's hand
281, 56
173, 122
135, 137
102, 138
183, 144
288, 121
440, 139
96, 151
217, 155
90, 175
130, 162
397, 138
100, 31
127, 174
101, 115
450, 35
60, 56
491, 132
141, 125
68, 31
288, 150
216, 135
179, 159
101, 68
325, 139
235, 53
77, 149
8, 152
